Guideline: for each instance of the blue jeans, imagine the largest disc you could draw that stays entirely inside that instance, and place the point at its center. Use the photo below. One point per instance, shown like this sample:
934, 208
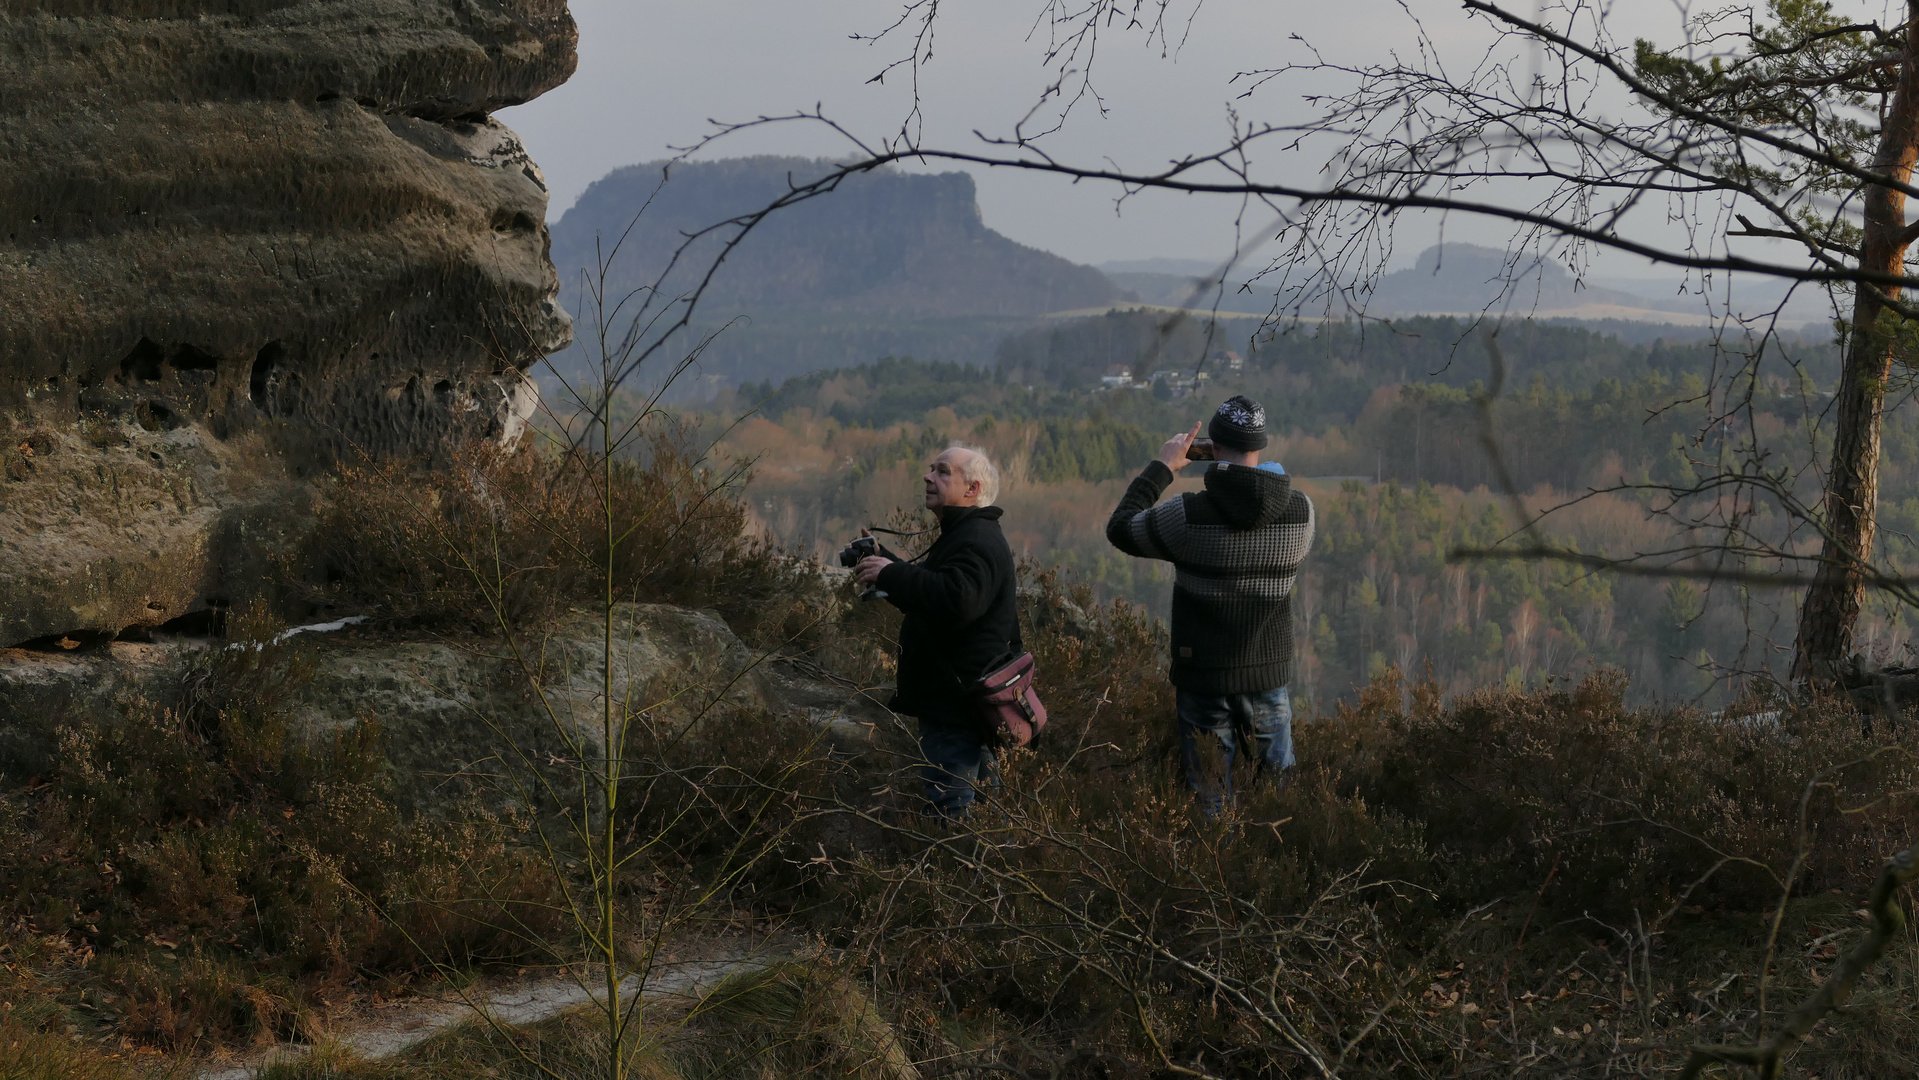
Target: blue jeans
957, 761
1210, 728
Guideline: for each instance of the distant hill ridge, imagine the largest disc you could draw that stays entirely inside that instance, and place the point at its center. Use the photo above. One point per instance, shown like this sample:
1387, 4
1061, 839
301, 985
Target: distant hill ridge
901, 264
1460, 278
1469, 280
886, 243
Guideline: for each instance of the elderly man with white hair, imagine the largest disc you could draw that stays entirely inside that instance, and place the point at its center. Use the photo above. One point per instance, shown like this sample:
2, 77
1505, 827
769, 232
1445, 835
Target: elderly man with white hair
962, 616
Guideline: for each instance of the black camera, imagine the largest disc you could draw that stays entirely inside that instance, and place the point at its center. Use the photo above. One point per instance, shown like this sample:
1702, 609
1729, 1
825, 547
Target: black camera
850, 556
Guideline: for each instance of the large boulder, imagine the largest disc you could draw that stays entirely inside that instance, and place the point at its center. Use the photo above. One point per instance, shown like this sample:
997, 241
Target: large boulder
266, 235
454, 714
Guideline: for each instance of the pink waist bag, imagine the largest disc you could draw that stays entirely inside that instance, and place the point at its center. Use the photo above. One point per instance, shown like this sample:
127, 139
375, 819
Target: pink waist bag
1007, 702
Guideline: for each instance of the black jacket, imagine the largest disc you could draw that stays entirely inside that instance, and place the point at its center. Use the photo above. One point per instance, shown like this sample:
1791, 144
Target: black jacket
962, 610
1236, 547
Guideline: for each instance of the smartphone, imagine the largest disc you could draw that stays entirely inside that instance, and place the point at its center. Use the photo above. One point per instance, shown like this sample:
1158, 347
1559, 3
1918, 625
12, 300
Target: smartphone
1200, 450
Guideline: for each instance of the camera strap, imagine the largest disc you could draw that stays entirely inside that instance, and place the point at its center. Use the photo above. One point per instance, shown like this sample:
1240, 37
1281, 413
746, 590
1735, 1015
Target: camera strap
896, 532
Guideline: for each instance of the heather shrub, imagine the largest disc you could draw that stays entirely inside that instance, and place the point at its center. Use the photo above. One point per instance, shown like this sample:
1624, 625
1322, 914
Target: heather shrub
1639, 808
225, 869
737, 803
1548, 882
510, 537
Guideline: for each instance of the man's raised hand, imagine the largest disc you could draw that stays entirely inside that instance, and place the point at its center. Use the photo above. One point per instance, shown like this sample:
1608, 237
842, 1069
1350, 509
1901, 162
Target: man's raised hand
1173, 454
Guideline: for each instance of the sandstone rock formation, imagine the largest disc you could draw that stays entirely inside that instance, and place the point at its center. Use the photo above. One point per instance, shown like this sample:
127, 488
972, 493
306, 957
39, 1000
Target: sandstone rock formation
447, 710
238, 239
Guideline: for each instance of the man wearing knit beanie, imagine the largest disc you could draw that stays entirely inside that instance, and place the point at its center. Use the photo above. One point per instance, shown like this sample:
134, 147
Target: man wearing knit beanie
1235, 547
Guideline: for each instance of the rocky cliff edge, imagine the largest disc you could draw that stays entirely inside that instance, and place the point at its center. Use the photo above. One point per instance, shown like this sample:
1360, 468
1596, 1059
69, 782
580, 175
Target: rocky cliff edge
239, 240
448, 710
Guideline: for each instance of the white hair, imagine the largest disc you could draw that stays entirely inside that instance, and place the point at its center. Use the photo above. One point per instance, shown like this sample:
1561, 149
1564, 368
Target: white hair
978, 467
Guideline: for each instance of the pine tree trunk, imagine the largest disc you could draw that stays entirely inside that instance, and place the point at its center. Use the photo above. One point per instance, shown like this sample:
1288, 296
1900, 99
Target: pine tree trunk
1831, 609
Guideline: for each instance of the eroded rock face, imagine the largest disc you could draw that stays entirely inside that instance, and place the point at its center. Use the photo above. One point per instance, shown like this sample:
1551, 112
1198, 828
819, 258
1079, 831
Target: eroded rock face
105, 524
447, 710
282, 232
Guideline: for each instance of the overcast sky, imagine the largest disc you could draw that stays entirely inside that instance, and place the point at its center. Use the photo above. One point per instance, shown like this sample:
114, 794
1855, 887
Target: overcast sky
653, 75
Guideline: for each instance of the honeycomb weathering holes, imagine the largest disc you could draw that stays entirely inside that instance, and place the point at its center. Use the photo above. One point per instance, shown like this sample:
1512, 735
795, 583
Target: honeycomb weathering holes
193, 358
143, 362
265, 377
508, 221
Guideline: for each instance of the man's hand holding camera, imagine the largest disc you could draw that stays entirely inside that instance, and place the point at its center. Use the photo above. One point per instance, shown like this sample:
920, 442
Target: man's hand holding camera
863, 557
867, 570
1173, 454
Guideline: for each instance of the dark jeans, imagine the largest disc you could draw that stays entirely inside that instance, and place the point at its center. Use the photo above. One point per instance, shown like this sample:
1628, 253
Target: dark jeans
957, 761
1210, 728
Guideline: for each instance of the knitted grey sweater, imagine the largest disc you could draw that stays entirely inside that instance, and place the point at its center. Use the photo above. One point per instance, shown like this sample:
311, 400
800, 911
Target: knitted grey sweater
1236, 547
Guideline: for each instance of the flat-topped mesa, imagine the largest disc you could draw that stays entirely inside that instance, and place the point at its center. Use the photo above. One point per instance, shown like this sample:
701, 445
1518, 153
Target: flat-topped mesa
239, 240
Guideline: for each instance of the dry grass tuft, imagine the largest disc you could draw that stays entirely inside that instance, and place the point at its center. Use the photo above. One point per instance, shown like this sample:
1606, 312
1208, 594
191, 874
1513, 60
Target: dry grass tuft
30, 1054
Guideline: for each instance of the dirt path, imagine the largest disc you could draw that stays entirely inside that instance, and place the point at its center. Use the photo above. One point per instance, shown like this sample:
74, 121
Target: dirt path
392, 1027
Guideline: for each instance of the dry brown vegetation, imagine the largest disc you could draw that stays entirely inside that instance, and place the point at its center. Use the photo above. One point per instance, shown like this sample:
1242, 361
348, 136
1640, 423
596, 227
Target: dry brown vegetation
776, 1020
520, 534
1547, 883
195, 872
1537, 882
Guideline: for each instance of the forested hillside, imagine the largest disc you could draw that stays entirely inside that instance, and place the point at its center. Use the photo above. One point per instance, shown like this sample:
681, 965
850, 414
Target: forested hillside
1383, 430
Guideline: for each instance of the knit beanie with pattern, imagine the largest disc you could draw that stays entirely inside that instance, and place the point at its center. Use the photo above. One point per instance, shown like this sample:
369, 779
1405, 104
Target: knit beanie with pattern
1240, 424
